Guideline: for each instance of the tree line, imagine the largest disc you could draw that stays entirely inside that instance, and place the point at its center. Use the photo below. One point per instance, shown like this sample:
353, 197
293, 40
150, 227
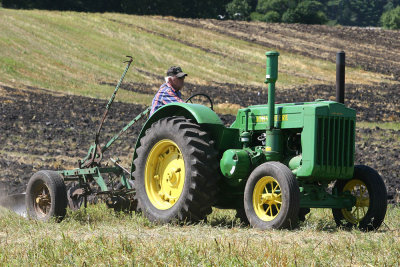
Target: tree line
177, 8
385, 13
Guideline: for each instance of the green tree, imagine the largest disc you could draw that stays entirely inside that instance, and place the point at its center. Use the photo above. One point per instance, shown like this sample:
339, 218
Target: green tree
340, 12
279, 6
272, 16
357, 12
238, 9
290, 16
310, 12
367, 12
391, 19
307, 12
255, 16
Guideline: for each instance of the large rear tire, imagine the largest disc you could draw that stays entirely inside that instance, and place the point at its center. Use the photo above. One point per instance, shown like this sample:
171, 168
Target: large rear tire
175, 172
371, 195
272, 197
46, 196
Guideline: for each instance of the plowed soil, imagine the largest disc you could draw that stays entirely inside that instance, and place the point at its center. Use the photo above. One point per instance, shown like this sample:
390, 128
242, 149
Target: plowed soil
371, 49
41, 130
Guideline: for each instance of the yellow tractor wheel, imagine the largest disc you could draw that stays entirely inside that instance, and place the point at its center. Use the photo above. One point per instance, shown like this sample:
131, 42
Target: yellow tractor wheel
272, 197
175, 172
370, 192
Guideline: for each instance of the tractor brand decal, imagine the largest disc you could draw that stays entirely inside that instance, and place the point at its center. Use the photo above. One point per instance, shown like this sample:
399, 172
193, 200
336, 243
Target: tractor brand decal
337, 113
276, 118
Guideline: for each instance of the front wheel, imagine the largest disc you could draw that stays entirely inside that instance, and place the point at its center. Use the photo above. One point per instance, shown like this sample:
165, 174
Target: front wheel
370, 192
272, 197
46, 196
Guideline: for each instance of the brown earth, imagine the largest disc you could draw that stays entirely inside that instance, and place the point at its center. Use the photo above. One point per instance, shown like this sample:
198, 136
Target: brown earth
371, 49
42, 130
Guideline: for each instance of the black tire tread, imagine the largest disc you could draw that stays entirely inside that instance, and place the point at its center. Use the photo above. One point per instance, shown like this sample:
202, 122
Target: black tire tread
378, 199
288, 217
57, 190
201, 193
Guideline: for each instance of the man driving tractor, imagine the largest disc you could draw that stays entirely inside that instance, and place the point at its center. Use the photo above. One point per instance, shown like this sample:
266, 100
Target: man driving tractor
169, 91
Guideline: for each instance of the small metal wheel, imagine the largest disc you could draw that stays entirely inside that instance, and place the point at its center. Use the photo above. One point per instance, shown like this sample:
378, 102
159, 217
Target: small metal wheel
271, 197
369, 190
46, 196
122, 199
75, 200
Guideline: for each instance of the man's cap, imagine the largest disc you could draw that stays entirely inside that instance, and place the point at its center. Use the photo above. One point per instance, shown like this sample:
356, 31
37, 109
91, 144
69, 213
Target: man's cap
176, 71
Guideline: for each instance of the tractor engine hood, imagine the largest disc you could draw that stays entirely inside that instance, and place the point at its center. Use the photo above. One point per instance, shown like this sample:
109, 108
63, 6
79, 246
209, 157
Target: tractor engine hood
291, 115
327, 134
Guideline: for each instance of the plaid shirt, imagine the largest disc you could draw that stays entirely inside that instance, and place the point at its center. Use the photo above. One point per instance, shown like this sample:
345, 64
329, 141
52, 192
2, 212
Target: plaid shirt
165, 95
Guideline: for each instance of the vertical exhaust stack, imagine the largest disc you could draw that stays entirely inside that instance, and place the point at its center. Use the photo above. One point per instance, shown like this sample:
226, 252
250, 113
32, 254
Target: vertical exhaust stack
340, 76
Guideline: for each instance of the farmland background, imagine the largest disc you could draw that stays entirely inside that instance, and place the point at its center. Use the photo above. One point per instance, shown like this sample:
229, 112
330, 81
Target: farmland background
57, 70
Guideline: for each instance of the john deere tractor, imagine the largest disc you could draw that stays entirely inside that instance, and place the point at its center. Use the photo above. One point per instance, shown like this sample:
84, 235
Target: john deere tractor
272, 165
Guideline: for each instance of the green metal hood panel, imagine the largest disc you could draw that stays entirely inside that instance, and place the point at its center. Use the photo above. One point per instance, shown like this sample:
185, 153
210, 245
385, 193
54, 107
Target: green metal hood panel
290, 115
327, 135
328, 142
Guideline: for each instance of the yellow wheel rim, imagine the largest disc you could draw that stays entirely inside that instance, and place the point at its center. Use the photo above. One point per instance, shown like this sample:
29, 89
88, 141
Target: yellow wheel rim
358, 189
164, 174
267, 198
42, 200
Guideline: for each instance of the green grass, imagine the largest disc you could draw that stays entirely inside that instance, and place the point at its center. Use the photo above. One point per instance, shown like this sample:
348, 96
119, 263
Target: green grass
376, 137
72, 52
99, 236
382, 125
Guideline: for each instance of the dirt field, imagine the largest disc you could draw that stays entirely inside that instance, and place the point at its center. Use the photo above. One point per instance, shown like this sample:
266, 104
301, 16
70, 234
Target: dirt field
56, 130
370, 49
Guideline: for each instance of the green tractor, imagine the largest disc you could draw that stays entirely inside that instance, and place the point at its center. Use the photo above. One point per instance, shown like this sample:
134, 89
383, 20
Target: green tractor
272, 165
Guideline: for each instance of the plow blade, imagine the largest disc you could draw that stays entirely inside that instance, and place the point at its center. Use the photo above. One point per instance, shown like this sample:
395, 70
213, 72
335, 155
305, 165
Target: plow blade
15, 203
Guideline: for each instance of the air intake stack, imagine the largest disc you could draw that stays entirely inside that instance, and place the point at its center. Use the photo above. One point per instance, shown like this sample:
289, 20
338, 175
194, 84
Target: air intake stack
273, 140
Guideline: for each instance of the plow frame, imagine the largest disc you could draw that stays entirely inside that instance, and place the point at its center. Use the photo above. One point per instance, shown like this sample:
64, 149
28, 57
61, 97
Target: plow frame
90, 169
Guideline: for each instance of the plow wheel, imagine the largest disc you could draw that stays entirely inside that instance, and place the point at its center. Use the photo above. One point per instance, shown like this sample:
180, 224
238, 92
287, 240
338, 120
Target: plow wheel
46, 196
271, 197
369, 190
175, 172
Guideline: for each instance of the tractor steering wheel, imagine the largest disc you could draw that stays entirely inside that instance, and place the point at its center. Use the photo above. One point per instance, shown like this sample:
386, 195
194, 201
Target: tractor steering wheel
200, 95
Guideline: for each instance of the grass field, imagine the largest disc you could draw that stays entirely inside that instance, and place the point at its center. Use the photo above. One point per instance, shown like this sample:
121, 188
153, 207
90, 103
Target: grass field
73, 52
99, 237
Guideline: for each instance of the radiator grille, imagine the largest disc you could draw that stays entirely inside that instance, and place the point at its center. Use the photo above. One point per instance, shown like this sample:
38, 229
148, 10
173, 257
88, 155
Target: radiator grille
335, 143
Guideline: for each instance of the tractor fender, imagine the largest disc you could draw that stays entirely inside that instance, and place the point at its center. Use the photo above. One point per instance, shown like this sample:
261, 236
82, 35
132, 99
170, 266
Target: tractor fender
199, 113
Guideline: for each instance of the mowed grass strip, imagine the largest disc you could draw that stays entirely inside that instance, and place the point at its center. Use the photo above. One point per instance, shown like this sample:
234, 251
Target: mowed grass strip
382, 125
98, 236
72, 52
